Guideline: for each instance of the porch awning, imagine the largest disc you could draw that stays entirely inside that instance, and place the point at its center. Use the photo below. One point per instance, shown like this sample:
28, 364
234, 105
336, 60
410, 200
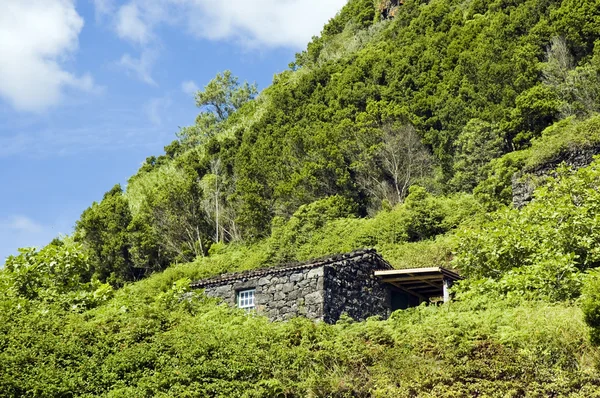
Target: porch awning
423, 283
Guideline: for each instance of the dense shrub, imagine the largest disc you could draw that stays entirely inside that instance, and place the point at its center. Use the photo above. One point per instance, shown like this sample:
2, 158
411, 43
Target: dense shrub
159, 340
319, 229
541, 249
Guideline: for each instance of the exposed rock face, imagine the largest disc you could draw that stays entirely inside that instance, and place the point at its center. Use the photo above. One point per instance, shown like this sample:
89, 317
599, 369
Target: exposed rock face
388, 8
524, 183
319, 290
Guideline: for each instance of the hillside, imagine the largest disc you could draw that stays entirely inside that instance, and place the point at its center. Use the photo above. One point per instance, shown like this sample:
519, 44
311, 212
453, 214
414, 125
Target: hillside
401, 127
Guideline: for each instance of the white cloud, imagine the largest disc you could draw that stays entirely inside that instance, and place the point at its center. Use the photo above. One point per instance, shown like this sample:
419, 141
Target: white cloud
103, 7
156, 107
36, 37
271, 23
22, 231
189, 87
22, 224
130, 25
251, 23
141, 67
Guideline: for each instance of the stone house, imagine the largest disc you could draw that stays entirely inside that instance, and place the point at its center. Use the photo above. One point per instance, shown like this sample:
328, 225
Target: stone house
360, 284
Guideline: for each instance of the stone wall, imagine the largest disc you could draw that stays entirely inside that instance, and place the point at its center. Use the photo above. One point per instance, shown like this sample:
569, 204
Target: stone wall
319, 290
281, 295
524, 183
351, 288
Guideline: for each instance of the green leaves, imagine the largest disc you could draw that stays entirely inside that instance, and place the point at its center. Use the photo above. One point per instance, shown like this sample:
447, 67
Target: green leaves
102, 229
57, 274
223, 95
590, 304
541, 249
469, 78
156, 339
52, 270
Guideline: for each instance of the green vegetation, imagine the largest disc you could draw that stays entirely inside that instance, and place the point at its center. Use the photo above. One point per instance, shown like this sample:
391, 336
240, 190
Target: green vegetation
151, 343
542, 250
401, 134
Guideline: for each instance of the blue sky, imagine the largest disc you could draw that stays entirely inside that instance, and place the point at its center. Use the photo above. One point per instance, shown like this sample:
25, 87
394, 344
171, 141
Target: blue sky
90, 88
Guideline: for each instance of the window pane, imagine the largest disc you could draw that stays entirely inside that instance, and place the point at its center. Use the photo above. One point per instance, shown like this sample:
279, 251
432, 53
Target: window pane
246, 299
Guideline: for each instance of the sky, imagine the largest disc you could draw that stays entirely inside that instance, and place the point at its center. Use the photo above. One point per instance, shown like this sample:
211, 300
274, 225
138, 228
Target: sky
90, 88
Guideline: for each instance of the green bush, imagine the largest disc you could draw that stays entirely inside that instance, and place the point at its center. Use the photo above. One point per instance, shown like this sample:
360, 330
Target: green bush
60, 274
321, 229
148, 341
559, 139
541, 249
590, 304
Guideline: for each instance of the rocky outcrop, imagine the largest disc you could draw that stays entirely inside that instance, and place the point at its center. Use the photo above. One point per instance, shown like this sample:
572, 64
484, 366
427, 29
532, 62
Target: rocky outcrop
389, 8
525, 182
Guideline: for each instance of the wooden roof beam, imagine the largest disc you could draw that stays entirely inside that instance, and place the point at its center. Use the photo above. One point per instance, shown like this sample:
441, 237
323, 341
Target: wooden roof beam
410, 291
424, 281
412, 278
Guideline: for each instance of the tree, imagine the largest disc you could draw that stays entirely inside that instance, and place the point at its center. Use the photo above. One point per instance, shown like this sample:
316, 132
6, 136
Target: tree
171, 214
559, 62
55, 269
591, 304
577, 87
206, 126
476, 146
223, 95
399, 160
542, 249
58, 273
102, 228
424, 216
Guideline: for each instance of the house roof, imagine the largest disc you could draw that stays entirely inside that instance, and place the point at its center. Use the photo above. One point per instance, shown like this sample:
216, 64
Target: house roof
245, 275
421, 282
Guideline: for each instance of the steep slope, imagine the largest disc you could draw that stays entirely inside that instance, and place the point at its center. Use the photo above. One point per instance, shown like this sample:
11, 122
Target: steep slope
373, 106
376, 136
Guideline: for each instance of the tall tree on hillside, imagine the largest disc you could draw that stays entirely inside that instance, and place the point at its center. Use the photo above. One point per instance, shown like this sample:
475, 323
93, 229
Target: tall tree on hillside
399, 161
476, 146
102, 228
172, 207
216, 188
576, 86
222, 96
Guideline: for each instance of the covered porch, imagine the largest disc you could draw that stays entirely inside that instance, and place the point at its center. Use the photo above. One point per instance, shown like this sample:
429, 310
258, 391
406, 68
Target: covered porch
412, 286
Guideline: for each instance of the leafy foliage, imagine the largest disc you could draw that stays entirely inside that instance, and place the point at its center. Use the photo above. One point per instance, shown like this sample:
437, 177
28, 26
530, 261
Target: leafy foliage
221, 97
477, 145
57, 274
102, 229
321, 229
431, 97
566, 136
541, 249
377, 117
155, 339
591, 305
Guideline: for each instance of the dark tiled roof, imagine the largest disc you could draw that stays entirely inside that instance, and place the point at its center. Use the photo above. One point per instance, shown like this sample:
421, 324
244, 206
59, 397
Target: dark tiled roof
232, 277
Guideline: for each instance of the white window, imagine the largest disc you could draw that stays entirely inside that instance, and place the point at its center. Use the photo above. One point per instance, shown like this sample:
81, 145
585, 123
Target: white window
245, 299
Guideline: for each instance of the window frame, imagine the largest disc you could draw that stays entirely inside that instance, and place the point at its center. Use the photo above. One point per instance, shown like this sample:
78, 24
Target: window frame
246, 299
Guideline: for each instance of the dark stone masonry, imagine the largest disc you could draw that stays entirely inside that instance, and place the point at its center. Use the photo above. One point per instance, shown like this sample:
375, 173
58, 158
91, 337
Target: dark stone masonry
322, 289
